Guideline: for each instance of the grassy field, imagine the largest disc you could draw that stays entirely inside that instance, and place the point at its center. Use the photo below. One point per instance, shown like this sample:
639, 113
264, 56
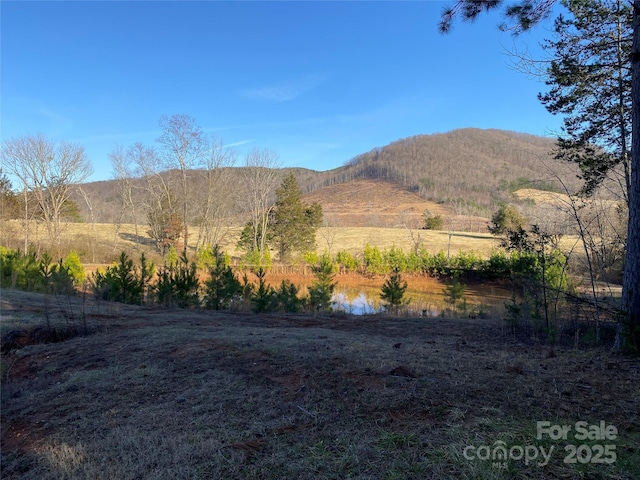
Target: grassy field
156, 394
102, 243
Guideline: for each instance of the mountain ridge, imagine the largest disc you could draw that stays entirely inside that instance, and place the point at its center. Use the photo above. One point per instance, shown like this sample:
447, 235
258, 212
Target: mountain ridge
468, 172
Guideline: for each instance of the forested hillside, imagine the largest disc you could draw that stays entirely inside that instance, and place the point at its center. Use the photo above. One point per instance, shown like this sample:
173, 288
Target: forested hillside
469, 171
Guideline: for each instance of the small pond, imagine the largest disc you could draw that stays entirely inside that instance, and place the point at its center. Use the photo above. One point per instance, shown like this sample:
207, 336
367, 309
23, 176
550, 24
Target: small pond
360, 295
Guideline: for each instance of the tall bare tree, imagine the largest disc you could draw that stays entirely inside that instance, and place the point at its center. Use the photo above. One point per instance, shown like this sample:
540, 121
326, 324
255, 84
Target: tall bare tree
122, 163
217, 192
184, 148
260, 176
156, 198
87, 199
12, 163
48, 171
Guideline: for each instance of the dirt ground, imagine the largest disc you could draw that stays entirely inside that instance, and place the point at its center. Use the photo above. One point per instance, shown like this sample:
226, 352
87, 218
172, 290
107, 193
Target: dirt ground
145, 393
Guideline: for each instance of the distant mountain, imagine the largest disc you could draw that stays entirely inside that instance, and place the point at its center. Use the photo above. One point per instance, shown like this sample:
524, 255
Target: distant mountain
467, 169
468, 172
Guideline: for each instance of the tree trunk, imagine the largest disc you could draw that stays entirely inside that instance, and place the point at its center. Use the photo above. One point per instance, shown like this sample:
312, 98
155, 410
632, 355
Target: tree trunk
26, 220
628, 331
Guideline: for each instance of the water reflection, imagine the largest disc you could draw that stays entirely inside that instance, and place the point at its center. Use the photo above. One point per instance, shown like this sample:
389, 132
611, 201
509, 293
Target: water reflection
368, 303
425, 295
422, 300
361, 304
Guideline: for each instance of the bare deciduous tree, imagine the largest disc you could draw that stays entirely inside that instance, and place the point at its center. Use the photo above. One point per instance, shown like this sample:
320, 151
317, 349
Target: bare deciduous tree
87, 199
260, 176
158, 200
184, 147
47, 171
122, 161
217, 192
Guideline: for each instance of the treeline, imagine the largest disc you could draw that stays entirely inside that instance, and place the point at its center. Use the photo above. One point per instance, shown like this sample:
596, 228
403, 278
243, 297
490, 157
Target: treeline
179, 281
544, 305
206, 282
544, 301
40, 273
470, 170
499, 266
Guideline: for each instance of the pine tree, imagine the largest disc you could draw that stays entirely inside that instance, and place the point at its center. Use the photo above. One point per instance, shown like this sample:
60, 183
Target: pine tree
222, 284
590, 84
264, 297
506, 219
9, 203
524, 14
393, 291
293, 222
321, 291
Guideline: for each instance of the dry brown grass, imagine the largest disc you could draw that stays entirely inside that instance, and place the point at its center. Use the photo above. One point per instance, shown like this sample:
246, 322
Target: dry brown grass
354, 239
190, 394
106, 244
542, 196
377, 203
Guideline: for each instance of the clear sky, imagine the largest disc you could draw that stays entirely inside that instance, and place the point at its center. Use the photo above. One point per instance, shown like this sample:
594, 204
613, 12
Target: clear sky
318, 82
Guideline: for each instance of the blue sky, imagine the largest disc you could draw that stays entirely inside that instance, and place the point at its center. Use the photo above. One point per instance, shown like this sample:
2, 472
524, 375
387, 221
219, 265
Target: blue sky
318, 82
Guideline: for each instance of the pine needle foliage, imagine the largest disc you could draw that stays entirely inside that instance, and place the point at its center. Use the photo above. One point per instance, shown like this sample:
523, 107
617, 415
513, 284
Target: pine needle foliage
393, 291
293, 223
222, 285
321, 291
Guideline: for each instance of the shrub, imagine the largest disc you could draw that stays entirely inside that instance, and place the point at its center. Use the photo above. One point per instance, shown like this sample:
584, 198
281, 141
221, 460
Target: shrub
252, 259
413, 262
38, 274
437, 264
9, 261
454, 295
346, 261
466, 261
556, 275
205, 257
59, 280
433, 222
506, 219
286, 297
74, 267
524, 312
373, 260
525, 265
28, 273
395, 259
311, 257
498, 265
247, 289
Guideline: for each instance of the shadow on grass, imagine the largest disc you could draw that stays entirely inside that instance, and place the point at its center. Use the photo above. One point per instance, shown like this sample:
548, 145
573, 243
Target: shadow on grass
139, 239
477, 236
